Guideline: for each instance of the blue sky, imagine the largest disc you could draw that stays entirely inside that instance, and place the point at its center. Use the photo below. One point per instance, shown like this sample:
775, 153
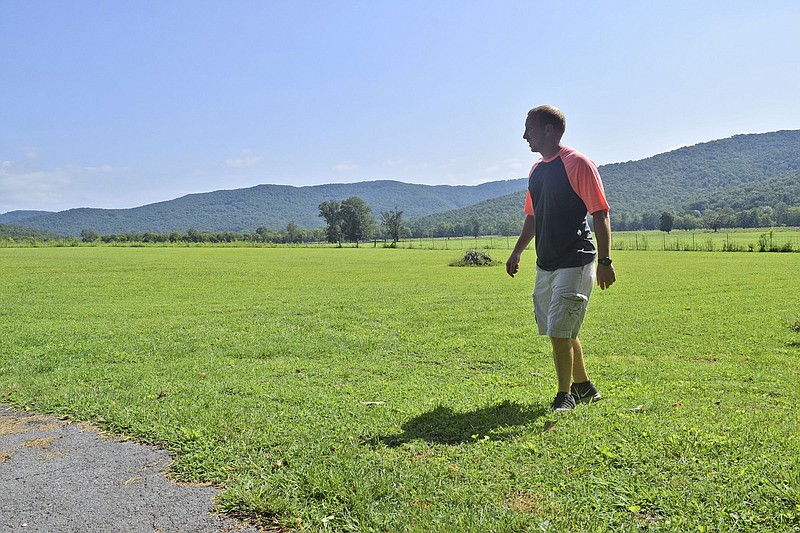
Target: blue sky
119, 104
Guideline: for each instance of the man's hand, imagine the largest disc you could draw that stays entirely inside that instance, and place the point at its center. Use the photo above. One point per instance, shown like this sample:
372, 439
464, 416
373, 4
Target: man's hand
605, 276
512, 265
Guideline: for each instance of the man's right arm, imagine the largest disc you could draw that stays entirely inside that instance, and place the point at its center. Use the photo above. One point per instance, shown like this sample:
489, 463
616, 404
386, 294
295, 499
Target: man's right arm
525, 238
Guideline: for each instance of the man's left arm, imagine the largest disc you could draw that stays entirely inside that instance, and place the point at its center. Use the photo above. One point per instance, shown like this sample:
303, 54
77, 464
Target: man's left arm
602, 233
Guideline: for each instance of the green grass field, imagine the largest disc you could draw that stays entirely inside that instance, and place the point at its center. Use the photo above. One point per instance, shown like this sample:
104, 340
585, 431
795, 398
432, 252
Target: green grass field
380, 390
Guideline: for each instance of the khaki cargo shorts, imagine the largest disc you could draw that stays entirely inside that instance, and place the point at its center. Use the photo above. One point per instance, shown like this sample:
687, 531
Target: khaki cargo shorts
560, 299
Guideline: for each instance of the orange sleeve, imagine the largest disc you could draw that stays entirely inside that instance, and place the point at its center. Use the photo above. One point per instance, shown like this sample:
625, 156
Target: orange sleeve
528, 201
586, 182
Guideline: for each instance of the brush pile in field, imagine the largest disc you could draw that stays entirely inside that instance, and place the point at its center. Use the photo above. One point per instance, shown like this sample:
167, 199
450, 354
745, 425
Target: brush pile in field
475, 258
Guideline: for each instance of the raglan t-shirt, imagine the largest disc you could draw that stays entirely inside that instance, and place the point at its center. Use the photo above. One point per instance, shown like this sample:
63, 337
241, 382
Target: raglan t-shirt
562, 190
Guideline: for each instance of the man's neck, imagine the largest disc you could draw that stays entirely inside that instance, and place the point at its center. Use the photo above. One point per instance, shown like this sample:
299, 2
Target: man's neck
550, 151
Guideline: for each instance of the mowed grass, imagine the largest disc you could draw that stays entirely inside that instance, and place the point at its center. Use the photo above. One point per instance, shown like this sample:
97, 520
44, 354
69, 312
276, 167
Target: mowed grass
383, 390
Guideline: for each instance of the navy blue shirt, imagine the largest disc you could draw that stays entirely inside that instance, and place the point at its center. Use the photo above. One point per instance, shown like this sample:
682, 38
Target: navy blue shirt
558, 192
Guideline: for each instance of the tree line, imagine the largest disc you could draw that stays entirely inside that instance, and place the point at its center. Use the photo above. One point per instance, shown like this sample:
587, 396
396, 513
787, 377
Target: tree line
756, 217
353, 221
292, 234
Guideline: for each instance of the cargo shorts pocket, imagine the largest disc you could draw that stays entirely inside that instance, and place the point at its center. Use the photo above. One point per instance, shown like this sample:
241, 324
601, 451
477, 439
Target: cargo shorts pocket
567, 315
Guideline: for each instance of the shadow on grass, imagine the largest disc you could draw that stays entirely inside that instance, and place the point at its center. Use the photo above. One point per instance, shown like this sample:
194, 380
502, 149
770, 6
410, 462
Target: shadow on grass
445, 426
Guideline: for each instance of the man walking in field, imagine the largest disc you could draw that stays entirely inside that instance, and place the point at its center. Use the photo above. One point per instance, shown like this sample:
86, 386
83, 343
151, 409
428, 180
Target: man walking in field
563, 187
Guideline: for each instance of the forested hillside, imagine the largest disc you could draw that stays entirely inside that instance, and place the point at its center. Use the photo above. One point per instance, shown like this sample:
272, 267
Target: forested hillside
270, 206
498, 216
775, 193
743, 180
11, 231
15, 216
672, 179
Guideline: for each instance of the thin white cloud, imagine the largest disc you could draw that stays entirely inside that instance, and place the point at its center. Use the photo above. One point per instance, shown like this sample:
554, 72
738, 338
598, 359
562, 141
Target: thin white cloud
507, 165
33, 189
246, 158
346, 165
105, 169
52, 189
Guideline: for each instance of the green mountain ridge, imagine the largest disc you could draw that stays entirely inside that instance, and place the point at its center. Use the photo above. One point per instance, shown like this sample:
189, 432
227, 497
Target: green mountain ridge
714, 175
672, 179
15, 216
271, 206
768, 194
739, 173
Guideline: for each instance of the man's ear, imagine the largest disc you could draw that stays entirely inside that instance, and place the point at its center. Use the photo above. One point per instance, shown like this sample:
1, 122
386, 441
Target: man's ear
549, 129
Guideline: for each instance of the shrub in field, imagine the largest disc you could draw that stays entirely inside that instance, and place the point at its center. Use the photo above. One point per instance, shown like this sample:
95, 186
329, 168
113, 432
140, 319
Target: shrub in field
475, 258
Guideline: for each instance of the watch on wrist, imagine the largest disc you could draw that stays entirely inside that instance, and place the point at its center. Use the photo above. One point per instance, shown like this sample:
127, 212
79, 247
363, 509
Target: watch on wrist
604, 261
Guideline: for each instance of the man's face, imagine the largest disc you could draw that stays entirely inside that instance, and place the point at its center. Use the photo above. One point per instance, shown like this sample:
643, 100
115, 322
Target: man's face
534, 134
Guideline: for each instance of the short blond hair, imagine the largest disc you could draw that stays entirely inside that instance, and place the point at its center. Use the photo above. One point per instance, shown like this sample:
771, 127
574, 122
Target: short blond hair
547, 114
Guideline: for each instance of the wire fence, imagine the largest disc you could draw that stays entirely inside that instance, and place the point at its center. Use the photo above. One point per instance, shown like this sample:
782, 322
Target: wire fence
764, 240
784, 240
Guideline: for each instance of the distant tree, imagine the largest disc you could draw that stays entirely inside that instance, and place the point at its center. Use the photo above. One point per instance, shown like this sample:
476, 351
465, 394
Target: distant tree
512, 227
781, 213
666, 222
263, 233
712, 221
727, 217
394, 225
154, 237
195, 235
715, 220
793, 216
627, 221
687, 222
331, 211
293, 233
314, 234
650, 220
475, 226
358, 222
88, 235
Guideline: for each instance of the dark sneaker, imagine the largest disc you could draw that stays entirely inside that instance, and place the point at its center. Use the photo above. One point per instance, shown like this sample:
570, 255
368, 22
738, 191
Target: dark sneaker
564, 401
585, 392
